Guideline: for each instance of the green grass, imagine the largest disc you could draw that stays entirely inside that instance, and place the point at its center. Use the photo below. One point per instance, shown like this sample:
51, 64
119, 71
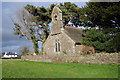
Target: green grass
30, 69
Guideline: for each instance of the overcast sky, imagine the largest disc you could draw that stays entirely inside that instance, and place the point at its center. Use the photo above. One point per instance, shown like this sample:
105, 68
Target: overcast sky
11, 42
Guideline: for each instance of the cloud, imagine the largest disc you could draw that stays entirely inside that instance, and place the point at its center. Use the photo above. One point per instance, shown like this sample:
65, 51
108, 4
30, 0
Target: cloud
10, 48
14, 46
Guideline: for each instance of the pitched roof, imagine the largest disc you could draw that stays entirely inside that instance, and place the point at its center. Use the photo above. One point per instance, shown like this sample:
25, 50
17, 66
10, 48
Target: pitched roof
74, 33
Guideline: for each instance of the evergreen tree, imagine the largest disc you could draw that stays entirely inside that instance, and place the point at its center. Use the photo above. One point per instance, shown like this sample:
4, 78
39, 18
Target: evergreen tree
105, 16
98, 39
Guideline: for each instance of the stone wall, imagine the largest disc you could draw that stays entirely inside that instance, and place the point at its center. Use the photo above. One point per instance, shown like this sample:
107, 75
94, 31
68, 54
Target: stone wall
97, 58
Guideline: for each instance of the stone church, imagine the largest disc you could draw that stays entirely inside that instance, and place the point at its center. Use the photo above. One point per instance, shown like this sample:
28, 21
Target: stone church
62, 39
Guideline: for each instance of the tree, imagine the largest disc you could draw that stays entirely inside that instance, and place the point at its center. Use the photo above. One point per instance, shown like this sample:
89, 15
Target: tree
24, 50
104, 16
43, 18
27, 27
70, 13
101, 14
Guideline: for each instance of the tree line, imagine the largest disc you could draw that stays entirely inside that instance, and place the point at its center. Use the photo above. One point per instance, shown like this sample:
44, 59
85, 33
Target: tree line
100, 19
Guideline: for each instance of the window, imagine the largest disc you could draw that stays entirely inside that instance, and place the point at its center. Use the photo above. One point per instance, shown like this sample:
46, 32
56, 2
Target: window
57, 46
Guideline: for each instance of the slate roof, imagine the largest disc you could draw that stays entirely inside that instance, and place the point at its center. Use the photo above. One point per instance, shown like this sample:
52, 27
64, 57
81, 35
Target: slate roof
74, 33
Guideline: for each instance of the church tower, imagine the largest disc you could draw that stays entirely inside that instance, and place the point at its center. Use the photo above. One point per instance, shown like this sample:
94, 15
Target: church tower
56, 20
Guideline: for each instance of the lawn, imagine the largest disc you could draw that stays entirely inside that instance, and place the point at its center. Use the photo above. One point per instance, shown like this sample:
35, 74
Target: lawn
31, 69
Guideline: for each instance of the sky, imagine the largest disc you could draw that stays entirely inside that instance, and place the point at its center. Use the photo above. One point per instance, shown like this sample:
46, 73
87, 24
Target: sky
11, 42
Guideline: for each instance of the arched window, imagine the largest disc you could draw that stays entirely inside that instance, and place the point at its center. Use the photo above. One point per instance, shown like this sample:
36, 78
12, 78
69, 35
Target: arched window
57, 46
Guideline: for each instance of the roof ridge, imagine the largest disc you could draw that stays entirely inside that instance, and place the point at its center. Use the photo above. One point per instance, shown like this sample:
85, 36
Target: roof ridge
74, 27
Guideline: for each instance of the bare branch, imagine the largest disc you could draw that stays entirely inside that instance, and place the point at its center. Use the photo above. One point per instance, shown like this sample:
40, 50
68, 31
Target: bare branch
25, 35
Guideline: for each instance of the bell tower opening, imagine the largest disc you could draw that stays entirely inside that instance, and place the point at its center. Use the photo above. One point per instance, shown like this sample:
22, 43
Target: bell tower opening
55, 17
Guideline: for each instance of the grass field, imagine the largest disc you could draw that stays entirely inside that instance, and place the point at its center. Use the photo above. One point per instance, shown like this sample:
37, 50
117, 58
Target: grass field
30, 69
